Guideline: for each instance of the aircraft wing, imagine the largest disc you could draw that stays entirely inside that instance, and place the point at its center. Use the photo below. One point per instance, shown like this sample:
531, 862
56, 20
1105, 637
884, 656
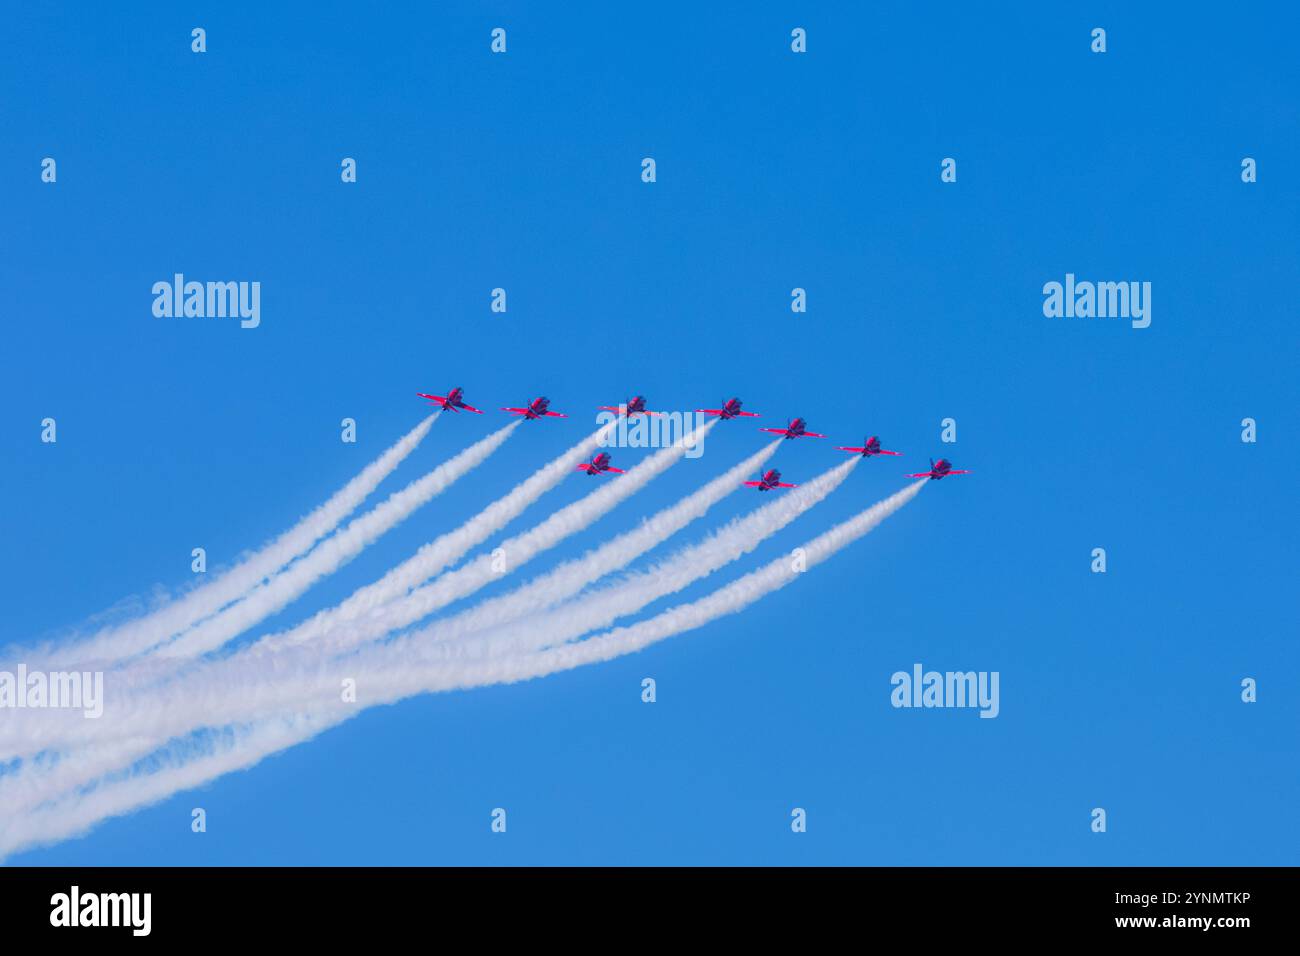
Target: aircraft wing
810, 435
517, 411
749, 414
923, 474
432, 398
849, 448
883, 451
471, 408
617, 471
555, 415
962, 471
784, 484
753, 484
776, 431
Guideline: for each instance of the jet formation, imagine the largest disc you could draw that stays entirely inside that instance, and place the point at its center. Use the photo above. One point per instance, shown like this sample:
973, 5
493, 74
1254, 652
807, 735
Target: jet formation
732, 408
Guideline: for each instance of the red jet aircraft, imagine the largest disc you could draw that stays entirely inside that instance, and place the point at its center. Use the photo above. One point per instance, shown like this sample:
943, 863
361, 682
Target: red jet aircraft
633, 406
537, 408
769, 481
793, 430
938, 469
730, 410
870, 447
599, 465
453, 400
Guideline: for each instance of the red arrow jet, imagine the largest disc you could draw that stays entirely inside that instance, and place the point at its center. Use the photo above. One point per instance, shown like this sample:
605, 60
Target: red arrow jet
793, 430
537, 408
770, 480
633, 406
599, 465
730, 410
453, 400
938, 469
870, 447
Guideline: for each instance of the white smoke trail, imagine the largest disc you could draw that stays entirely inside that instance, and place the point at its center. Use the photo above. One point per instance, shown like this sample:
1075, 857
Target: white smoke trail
24, 733
515, 552
248, 687
78, 812
331, 554
731, 599
635, 590
135, 636
402, 675
437, 555
234, 749
53, 774
36, 784
569, 578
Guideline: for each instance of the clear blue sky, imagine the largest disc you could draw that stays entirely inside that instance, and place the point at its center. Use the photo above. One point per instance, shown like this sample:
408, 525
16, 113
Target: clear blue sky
774, 171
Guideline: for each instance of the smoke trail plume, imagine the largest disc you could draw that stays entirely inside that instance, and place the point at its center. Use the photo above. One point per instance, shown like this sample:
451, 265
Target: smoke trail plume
438, 555
636, 590
179, 769
572, 576
247, 687
331, 554
80, 811
26, 734
187, 609
39, 783
515, 552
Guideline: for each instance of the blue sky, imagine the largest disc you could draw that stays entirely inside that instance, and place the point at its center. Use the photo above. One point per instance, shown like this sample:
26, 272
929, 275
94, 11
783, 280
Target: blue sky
775, 170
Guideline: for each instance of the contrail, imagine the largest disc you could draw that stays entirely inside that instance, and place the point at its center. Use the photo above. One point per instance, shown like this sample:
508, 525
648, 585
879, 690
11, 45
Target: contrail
26, 736
248, 687
542, 592
731, 599
437, 555
515, 552
180, 771
636, 590
401, 675
179, 614
52, 775
572, 576
331, 554
78, 812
